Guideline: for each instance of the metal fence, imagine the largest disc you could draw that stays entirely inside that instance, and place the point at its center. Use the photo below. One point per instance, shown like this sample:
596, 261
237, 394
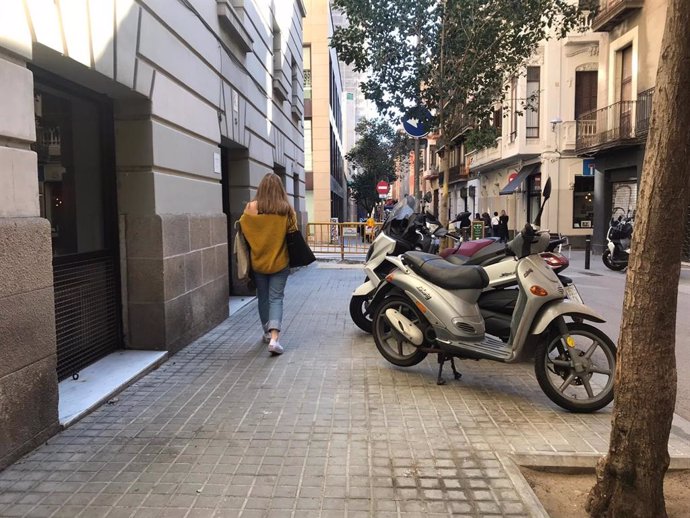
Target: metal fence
342, 239
87, 316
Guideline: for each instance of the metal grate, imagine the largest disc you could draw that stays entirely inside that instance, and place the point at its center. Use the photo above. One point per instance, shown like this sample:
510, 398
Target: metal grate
87, 318
685, 251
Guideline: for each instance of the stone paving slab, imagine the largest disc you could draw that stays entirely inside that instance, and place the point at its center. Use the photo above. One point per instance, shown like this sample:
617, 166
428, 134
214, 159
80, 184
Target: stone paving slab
329, 429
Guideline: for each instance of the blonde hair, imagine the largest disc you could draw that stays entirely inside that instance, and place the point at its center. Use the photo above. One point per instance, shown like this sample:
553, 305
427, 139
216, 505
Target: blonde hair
271, 197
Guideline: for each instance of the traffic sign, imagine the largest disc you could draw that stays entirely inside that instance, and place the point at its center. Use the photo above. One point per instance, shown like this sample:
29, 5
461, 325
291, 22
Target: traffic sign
512, 177
382, 187
417, 121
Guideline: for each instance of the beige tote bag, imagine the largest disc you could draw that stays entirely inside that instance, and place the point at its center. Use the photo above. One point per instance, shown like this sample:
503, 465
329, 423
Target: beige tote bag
241, 251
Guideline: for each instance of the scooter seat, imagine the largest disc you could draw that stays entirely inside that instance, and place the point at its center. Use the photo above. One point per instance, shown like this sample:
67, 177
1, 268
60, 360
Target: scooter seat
457, 259
469, 248
444, 274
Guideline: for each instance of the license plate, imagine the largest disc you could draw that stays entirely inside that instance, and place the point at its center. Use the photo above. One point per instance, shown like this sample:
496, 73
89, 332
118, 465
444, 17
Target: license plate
572, 293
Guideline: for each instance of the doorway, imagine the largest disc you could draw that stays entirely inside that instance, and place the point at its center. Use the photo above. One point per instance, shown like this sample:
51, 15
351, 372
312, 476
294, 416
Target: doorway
76, 176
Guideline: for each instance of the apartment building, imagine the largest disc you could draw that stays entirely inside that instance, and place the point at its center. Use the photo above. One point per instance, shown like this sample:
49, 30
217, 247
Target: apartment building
133, 133
536, 130
326, 186
613, 135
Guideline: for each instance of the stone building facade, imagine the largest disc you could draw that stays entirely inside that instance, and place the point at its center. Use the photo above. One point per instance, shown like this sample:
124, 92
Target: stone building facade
132, 133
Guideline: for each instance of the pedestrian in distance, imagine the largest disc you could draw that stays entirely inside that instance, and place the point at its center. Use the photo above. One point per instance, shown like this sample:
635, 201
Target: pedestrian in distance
495, 222
487, 224
503, 226
265, 222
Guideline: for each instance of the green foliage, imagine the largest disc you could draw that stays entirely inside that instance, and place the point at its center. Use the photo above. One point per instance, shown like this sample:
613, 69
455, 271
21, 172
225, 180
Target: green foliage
455, 54
481, 137
374, 156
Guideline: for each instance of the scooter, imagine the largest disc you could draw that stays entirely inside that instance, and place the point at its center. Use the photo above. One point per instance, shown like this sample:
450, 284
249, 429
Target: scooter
402, 231
618, 237
428, 305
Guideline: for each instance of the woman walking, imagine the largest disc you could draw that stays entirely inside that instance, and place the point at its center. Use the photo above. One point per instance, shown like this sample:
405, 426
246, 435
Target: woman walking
265, 222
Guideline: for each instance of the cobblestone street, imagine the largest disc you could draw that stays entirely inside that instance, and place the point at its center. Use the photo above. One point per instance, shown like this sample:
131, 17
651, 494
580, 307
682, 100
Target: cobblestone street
328, 429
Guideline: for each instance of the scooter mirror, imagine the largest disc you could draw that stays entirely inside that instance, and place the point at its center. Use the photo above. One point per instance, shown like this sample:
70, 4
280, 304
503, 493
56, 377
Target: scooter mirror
546, 191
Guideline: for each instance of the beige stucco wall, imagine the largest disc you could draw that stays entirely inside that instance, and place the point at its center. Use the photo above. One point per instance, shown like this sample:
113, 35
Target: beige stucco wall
316, 34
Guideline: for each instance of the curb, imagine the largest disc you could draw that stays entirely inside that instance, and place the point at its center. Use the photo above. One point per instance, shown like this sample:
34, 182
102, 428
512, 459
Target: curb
560, 463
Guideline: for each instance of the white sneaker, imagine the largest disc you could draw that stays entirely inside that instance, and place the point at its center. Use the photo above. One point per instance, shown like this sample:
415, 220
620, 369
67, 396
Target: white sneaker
274, 347
267, 338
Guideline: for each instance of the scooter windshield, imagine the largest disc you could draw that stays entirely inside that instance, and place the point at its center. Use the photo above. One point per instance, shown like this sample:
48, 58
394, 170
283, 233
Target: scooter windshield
402, 210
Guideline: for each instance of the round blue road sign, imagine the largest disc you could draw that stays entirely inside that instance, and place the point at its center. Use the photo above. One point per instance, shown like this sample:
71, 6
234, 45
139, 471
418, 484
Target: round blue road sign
417, 121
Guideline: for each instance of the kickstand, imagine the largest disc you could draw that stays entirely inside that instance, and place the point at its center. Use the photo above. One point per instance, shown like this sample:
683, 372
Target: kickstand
441, 361
455, 372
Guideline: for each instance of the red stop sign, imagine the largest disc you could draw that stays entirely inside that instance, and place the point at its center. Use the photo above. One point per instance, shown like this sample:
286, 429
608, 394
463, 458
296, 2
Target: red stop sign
382, 187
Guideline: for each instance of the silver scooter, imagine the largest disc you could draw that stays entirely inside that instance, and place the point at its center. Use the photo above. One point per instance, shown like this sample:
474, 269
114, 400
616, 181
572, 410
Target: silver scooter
403, 230
427, 305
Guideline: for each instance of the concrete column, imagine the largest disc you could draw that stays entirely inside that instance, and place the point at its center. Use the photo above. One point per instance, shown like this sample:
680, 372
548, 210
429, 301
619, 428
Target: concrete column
28, 379
176, 256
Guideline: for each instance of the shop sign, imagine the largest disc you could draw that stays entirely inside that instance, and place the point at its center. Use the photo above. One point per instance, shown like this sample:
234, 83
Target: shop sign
477, 229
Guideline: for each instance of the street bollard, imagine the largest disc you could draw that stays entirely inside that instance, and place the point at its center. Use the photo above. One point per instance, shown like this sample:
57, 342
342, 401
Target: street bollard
588, 250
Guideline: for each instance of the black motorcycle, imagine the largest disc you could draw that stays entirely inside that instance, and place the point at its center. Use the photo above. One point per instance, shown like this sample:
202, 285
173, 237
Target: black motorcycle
619, 237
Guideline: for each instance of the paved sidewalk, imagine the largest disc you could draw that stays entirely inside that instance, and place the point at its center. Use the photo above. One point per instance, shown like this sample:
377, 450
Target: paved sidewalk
329, 429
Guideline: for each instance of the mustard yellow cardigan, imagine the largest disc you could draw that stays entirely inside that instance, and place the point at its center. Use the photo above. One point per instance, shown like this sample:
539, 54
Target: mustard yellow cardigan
265, 234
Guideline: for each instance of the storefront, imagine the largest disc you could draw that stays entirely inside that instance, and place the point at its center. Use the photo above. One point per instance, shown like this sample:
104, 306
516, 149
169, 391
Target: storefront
77, 195
583, 201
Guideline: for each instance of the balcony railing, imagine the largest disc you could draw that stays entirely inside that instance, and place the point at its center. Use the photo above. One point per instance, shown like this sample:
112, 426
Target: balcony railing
644, 112
622, 123
611, 12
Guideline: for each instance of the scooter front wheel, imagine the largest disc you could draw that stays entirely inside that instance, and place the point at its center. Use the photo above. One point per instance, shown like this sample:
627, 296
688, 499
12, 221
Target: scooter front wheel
390, 344
358, 312
576, 370
608, 262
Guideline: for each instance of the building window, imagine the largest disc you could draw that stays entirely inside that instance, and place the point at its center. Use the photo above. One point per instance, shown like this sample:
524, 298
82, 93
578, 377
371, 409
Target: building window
453, 157
626, 94
583, 201
532, 114
498, 121
308, 157
626, 73
513, 109
306, 52
585, 92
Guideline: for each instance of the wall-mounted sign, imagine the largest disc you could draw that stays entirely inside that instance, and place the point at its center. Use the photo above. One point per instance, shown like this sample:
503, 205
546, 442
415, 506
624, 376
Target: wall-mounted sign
216, 163
588, 167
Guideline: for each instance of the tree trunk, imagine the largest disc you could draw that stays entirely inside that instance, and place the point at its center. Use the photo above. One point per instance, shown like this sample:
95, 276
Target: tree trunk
630, 478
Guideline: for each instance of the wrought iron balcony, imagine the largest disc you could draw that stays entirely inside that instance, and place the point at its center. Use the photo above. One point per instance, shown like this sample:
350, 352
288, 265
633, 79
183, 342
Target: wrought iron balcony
644, 112
620, 124
610, 13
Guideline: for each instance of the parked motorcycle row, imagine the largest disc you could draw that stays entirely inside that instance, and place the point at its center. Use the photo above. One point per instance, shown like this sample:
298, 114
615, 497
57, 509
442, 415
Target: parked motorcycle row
483, 299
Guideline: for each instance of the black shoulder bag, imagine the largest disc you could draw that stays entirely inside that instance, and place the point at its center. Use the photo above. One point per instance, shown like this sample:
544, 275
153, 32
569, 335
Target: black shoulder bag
298, 249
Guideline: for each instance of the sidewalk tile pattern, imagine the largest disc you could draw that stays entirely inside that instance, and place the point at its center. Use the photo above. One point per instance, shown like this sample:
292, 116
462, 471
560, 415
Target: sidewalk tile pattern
329, 429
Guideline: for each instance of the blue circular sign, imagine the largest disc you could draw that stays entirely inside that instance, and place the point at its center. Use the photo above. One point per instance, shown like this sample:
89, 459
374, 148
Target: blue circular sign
417, 121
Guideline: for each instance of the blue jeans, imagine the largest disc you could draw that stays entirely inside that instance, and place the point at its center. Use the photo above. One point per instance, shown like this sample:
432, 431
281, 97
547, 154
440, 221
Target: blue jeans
270, 289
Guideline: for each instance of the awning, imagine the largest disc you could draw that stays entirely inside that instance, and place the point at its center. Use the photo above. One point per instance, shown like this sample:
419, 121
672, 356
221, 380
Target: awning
526, 171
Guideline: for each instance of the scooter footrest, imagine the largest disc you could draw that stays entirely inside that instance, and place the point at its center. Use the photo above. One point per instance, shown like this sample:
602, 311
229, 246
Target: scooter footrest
490, 348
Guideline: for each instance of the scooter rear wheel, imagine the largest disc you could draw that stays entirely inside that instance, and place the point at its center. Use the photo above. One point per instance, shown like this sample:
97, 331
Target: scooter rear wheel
608, 262
576, 371
358, 308
393, 348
